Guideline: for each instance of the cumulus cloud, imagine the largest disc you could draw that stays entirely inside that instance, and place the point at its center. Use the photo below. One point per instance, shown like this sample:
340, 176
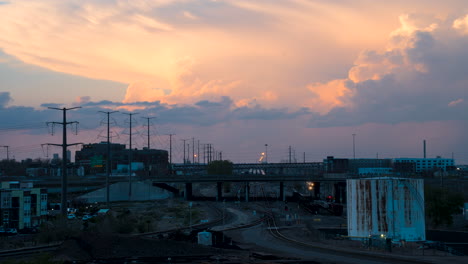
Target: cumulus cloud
4, 99
181, 52
267, 57
461, 24
413, 80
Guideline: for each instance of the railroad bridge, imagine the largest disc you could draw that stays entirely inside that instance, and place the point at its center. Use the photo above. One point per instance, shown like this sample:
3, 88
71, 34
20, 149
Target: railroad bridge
255, 172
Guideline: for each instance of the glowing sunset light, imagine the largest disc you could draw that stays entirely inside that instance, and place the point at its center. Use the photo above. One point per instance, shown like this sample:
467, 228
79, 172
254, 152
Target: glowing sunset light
249, 71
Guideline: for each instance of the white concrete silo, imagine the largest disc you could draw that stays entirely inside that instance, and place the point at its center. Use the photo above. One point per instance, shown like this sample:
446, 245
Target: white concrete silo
392, 207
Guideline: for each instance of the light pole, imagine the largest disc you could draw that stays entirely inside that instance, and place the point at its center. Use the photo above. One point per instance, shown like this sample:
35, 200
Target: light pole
266, 153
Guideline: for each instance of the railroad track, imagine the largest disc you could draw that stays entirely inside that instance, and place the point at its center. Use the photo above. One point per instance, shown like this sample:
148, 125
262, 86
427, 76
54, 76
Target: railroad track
274, 231
220, 217
25, 252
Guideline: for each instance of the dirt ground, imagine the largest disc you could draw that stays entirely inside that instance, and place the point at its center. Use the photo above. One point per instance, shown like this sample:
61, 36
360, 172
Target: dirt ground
113, 237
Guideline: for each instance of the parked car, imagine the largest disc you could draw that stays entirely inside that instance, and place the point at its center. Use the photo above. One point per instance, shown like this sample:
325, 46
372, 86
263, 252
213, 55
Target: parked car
87, 217
71, 216
29, 230
11, 231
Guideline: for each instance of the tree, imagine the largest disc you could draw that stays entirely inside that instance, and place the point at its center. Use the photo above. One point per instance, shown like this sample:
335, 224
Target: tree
220, 167
441, 204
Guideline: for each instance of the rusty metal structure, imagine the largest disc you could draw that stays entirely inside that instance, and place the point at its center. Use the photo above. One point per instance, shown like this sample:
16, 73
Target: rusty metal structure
386, 207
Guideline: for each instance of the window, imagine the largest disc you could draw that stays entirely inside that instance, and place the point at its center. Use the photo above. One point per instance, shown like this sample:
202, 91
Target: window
5, 202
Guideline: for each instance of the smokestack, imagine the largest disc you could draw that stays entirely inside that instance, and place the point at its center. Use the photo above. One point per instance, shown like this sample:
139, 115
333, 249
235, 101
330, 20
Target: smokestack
424, 146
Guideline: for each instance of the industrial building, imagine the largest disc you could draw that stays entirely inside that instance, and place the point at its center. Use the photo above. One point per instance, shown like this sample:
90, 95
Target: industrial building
22, 205
336, 165
424, 165
93, 158
386, 207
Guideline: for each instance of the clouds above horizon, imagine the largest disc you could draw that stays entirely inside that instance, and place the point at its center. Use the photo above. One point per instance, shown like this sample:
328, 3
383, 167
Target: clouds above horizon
202, 113
255, 72
184, 52
420, 76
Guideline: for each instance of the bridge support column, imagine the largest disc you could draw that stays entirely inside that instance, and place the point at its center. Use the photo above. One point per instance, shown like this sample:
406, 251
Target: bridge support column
247, 191
219, 191
317, 190
188, 191
282, 196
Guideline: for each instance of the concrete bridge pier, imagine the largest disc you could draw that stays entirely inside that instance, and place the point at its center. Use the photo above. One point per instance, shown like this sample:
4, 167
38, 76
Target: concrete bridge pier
188, 191
219, 191
247, 191
282, 196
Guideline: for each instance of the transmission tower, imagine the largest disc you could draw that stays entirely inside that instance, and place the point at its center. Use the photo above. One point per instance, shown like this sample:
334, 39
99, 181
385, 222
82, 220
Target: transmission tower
64, 146
130, 153
148, 127
108, 163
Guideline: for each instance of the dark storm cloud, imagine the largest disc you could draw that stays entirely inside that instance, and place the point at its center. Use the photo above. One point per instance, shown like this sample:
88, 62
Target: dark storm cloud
202, 113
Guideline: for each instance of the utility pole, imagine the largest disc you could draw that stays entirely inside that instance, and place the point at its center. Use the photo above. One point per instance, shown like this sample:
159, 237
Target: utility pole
210, 153
64, 145
130, 156
184, 149
148, 124
170, 150
198, 150
193, 150
204, 153
266, 153
304, 157
7, 152
354, 147
108, 163
289, 154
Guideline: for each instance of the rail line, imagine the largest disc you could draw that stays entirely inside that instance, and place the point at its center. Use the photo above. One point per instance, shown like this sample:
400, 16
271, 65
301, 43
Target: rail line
25, 252
274, 230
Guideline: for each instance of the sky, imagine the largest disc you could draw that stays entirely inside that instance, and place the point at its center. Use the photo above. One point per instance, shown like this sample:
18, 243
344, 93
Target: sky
240, 75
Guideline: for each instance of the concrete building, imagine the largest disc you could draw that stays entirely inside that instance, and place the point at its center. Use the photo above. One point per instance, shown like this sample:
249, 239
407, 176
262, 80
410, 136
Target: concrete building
424, 165
334, 165
375, 172
386, 207
356, 164
93, 158
22, 205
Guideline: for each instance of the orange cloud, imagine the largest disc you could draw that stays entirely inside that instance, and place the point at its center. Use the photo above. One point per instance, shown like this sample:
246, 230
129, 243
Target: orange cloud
327, 96
169, 51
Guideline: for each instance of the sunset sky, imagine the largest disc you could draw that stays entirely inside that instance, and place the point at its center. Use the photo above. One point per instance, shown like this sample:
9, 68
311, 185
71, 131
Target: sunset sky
239, 75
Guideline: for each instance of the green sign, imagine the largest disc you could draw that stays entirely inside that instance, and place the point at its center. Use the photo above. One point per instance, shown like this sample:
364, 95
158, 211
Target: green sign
97, 161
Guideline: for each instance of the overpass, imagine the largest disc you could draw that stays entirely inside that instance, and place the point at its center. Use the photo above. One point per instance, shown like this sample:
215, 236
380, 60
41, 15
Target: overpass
249, 172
